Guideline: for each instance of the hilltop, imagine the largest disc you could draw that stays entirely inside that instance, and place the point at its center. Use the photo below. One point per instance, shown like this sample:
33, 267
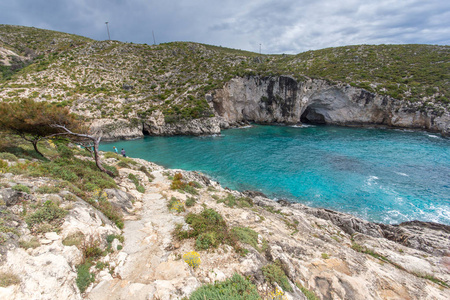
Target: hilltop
111, 80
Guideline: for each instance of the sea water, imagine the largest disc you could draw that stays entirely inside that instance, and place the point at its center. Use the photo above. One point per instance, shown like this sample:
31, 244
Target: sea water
381, 175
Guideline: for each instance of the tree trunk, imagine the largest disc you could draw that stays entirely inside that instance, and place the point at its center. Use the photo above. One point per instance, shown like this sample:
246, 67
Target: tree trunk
34, 142
97, 158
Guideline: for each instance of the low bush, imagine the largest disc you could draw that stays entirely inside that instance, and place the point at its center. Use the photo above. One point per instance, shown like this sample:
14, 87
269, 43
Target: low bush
190, 201
209, 229
231, 201
21, 188
247, 236
179, 184
175, 205
49, 212
275, 273
48, 189
84, 277
310, 295
192, 259
234, 288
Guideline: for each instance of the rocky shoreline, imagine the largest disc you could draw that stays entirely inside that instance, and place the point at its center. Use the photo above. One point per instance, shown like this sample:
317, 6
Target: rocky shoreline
335, 255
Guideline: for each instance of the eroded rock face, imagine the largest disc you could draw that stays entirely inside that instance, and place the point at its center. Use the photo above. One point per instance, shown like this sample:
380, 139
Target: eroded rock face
156, 125
284, 100
111, 129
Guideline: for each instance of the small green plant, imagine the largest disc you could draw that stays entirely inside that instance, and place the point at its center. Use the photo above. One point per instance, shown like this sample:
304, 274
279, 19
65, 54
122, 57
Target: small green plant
175, 205
21, 188
234, 288
84, 277
48, 189
231, 201
209, 229
325, 256
135, 180
8, 278
310, 295
192, 259
190, 201
49, 212
247, 236
275, 273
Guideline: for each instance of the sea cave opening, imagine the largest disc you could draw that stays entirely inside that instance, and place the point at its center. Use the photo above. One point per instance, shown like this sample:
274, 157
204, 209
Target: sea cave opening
312, 115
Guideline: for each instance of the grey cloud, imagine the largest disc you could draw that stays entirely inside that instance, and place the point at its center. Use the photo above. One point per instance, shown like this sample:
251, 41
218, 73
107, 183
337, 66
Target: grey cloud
281, 26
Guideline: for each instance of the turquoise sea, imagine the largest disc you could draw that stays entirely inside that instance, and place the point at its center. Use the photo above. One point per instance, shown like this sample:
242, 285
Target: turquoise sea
381, 175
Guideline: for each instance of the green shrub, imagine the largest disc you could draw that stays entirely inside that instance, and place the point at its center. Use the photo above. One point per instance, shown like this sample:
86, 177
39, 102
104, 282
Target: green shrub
310, 295
234, 288
190, 201
247, 236
8, 156
3, 165
232, 201
274, 273
208, 228
48, 212
21, 188
84, 277
207, 240
175, 205
65, 151
48, 189
123, 164
140, 189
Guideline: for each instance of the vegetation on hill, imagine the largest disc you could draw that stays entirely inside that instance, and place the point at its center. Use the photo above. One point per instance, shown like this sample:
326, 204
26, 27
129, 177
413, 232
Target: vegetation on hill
111, 79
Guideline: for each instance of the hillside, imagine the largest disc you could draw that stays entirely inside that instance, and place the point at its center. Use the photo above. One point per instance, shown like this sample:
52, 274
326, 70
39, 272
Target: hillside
111, 79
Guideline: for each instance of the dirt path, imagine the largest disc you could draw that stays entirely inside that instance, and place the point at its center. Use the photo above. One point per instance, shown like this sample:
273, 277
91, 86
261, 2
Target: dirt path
145, 269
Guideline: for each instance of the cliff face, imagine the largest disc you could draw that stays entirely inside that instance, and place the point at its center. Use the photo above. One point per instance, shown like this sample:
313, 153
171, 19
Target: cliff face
284, 100
268, 100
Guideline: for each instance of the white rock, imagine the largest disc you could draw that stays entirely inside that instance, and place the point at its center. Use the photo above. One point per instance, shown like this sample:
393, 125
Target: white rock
53, 236
45, 241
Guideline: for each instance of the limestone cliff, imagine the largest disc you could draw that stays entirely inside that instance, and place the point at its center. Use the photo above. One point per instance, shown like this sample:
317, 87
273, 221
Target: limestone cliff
284, 100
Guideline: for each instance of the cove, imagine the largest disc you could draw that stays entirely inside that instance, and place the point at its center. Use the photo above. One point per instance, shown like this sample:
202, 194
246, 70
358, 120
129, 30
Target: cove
381, 175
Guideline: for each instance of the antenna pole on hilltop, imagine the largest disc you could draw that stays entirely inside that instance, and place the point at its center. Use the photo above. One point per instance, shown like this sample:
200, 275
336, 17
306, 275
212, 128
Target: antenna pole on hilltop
259, 49
107, 29
154, 41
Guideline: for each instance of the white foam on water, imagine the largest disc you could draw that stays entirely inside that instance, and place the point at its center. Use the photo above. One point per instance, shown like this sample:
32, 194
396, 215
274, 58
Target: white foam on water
301, 126
433, 136
402, 174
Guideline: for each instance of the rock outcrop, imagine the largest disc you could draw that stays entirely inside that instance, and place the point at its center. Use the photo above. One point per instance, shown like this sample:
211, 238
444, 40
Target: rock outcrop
284, 100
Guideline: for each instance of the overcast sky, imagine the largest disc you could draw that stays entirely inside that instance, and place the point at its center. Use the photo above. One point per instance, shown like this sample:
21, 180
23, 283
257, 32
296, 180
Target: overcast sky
279, 26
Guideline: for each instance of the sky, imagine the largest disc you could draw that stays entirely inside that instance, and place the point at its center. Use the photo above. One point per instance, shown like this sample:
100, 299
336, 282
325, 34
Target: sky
272, 27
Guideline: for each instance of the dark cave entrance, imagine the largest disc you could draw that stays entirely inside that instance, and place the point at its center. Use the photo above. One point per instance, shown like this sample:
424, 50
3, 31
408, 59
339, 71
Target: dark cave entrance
312, 115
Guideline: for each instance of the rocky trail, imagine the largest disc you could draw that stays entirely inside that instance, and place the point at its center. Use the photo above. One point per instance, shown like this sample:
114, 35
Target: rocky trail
145, 268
